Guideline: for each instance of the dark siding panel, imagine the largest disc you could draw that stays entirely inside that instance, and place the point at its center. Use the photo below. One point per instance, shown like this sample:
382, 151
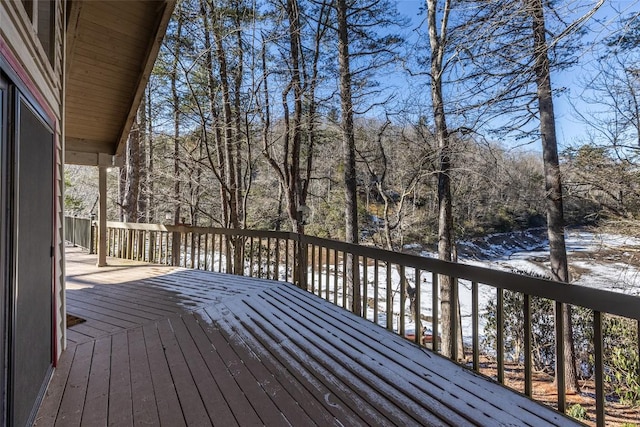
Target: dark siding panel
4, 274
32, 328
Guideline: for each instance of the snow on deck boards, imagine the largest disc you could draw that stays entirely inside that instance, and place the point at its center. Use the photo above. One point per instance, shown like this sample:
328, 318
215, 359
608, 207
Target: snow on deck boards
171, 346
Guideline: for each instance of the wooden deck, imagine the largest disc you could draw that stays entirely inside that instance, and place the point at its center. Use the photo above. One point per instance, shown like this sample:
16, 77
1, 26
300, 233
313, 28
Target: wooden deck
169, 346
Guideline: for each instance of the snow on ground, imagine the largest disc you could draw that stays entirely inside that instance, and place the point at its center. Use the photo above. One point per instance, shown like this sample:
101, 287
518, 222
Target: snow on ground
595, 260
598, 260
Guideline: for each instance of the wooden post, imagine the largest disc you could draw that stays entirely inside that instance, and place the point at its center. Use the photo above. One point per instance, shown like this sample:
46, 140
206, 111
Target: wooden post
102, 216
175, 248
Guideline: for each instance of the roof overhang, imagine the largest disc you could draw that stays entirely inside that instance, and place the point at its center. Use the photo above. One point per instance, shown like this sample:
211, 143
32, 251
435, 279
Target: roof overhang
110, 51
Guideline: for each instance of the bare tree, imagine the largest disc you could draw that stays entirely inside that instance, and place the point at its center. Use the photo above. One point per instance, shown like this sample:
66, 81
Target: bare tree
511, 48
437, 23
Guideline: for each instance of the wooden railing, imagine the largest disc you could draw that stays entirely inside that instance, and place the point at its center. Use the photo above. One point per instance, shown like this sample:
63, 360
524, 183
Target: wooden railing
79, 232
390, 288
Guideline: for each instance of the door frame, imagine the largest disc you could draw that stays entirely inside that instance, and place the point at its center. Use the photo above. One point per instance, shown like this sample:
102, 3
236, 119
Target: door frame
16, 90
4, 241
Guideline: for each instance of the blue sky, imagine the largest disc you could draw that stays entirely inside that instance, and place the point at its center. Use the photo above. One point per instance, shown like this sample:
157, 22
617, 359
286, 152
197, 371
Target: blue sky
570, 130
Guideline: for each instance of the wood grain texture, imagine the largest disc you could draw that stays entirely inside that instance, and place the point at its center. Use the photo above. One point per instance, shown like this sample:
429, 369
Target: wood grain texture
199, 348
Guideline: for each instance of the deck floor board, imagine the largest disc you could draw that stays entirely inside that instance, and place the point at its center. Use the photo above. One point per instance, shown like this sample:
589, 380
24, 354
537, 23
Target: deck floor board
97, 399
215, 405
166, 396
177, 347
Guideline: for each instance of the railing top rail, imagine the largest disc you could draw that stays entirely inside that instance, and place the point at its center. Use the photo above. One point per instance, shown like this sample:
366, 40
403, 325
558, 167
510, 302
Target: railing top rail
584, 296
591, 298
202, 230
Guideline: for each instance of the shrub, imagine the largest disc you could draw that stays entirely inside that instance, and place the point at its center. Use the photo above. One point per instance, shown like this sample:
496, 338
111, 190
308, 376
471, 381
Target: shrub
620, 342
578, 412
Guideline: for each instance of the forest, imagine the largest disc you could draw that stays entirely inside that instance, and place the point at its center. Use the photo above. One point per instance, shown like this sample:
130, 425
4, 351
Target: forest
388, 123
363, 117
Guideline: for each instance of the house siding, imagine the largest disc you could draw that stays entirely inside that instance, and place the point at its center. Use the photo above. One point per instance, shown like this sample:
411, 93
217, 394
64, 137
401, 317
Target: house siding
23, 54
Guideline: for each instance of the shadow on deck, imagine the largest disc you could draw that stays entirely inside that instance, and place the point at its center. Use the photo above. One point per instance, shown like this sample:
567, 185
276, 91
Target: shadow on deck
171, 346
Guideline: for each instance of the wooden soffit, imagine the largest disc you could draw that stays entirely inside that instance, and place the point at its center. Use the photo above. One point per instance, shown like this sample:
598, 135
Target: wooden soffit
111, 48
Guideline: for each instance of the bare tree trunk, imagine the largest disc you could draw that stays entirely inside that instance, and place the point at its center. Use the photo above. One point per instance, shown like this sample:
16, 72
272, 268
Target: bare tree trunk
142, 162
294, 125
349, 156
122, 182
228, 127
176, 124
132, 185
553, 183
216, 160
237, 90
445, 216
151, 208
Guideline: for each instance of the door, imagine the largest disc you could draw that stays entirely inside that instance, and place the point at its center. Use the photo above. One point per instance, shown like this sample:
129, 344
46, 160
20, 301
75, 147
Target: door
31, 255
4, 273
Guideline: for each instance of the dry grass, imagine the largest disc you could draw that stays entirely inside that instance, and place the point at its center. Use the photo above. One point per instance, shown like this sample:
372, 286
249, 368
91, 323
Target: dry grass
545, 391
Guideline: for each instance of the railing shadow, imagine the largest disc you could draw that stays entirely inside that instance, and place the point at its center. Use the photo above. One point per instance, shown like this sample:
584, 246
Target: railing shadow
404, 293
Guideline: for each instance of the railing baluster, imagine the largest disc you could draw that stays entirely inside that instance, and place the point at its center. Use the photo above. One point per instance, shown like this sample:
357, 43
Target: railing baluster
638, 347
286, 260
184, 249
151, 249
130, 244
158, 248
365, 288
598, 368
206, 251
560, 379
166, 249
136, 248
528, 363
133, 245
221, 251
475, 333
251, 252
198, 250
125, 244
500, 333
344, 280
357, 289
313, 269
320, 249
376, 290
193, 249
268, 257
403, 301
120, 252
454, 317
389, 305
277, 267
167, 259
434, 312
144, 248
328, 278
260, 269
141, 245
335, 277
416, 307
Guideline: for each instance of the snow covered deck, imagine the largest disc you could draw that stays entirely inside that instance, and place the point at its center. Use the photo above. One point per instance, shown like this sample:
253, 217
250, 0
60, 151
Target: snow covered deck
171, 346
